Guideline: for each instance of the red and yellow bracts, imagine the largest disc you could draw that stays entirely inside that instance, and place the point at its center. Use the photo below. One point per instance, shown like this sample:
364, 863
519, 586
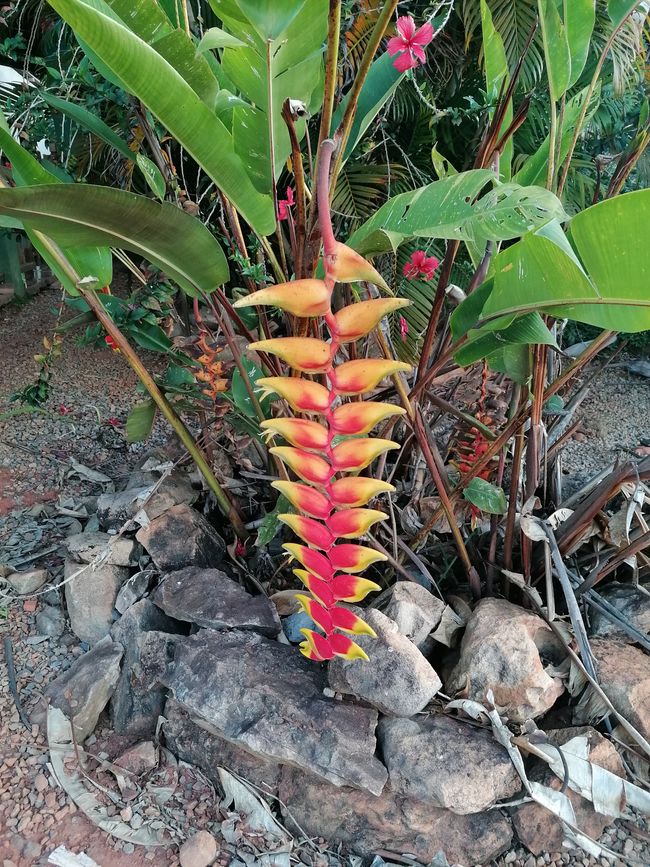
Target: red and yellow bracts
321, 451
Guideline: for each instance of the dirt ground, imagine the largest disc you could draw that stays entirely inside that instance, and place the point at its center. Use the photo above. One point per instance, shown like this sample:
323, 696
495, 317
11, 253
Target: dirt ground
83, 424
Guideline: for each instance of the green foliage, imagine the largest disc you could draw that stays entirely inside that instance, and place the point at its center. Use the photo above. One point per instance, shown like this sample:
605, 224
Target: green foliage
486, 497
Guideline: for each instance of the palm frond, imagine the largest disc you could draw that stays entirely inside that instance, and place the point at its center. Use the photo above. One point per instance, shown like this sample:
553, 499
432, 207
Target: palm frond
361, 188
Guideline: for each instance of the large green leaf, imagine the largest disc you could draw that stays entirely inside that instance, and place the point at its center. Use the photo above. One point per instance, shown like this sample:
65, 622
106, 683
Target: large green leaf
602, 279
88, 215
96, 125
556, 48
266, 71
579, 20
146, 74
271, 18
449, 208
496, 77
620, 9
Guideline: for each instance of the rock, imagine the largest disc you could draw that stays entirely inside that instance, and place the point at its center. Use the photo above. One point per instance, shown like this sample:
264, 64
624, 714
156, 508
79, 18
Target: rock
83, 691
181, 537
208, 597
133, 589
292, 625
90, 598
441, 761
84, 547
139, 696
139, 758
50, 621
624, 675
186, 738
267, 699
538, 829
500, 651
416, 611
199, 850
632, 601
366, 823
28, 582
114, 510
398, 680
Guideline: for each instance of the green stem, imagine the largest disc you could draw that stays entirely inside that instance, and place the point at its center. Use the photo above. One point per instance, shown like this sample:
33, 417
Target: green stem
552, 137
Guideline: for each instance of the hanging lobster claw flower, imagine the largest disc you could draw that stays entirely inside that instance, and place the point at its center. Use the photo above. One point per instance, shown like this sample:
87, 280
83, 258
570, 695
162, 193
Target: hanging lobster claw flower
353, 419
312, 560
307, 354
353, 455
353, 558
334, 618
304, 498
352, 523
347, 266
363, 374
318, 588
356, 491
309, 467
351, 588
359, 319
345, 647
320, 648
312, 532
298, 431
302, 395
300, 297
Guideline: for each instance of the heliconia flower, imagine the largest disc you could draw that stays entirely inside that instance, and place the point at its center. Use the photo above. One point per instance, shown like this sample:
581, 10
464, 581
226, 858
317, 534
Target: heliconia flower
302, 395
352, 523
409, 43
420, 266
353, 419
300, 297
356, 491
353, 558
307, 354
348, 266
310, 468
341, 588
329, 619
111, 343
403, 328
285, 204
318, 587
363, 374
359, 319
312, 532
355, 454
299, 432
304, 498
320, 648
313, 561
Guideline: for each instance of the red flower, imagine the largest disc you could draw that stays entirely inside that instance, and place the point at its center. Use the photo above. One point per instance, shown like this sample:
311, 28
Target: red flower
64, 410
403, 328
111, 343
285, 204
114, 422
419, 265
409, 44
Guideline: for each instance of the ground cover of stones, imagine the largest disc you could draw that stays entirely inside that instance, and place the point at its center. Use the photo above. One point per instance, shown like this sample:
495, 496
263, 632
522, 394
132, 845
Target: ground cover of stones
118, 652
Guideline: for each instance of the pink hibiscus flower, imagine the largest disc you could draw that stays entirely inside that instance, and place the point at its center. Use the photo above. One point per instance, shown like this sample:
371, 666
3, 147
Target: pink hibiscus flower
403, 328
409, 44
285, 204
420, 265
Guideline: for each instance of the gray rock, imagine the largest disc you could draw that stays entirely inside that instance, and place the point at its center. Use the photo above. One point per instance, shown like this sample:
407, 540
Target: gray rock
366, 823
114, 510
630, 600
139, 696
441, 761
537, 828
28, 582
192, 743
397, 680
139, 758
624, 675
500, 651
50, 621
90, 598
208, 597
292, 625
182, 537
133, 589
83, 691
416, 611
267, 699
84, 547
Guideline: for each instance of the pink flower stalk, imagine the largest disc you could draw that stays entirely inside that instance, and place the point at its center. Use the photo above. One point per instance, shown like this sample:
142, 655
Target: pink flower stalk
409, 44
403, 328
285, 204
420, 265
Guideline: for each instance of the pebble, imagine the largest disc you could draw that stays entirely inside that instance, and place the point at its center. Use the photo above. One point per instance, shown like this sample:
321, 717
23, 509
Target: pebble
41, 783
200, 850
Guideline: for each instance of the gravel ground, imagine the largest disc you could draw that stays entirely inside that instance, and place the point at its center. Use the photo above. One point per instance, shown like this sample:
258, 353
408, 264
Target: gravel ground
36, 454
